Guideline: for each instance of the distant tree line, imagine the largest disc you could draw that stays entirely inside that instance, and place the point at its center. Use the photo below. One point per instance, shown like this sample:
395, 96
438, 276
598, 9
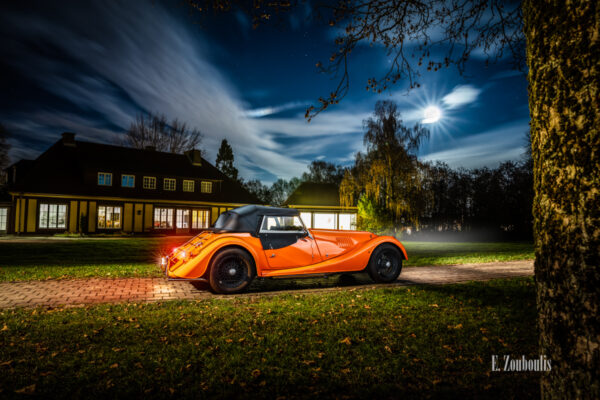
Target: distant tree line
280, 190
397, 193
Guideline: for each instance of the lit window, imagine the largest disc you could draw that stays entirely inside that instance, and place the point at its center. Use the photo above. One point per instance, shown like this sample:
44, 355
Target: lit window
128, 180
3, 218
347, 221
325, 221
307, 219
104, 179
188, 186
109, 217
163, 218
206, 187
169, 184
149, 182
183, 219
200, 219
52, 216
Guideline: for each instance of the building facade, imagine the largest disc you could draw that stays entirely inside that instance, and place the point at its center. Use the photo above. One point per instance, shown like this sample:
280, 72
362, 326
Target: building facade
83, 187
319, 205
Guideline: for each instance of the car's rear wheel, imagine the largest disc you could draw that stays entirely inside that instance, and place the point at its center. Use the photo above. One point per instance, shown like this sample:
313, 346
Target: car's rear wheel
232, 271
385, 264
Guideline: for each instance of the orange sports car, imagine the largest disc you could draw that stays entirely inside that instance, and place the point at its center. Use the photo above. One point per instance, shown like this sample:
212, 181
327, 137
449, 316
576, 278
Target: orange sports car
271, 242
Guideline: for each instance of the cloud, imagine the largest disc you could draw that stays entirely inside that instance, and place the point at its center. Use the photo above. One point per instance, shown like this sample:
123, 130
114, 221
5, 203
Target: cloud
264, 111
328, 123
460, 96
488, 148
132, 58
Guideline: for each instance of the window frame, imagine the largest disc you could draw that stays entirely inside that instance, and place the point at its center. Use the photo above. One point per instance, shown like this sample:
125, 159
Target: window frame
180, 212
47, 227
198, 211
129, 176
189, 182
4, 210
150, 179
105, 206
104, 174
174, 180
208, 184
166, 220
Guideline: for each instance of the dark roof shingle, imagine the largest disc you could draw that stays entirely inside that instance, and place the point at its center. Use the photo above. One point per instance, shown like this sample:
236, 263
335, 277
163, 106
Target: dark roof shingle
71, 168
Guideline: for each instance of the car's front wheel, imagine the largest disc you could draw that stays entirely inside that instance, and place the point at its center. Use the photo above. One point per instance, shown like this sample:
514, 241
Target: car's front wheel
232, 271
385, 264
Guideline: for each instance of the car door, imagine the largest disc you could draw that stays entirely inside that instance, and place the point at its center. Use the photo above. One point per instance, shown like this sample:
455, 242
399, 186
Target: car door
285, 242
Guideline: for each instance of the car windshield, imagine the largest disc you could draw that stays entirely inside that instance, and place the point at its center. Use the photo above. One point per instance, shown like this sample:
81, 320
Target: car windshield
282, 223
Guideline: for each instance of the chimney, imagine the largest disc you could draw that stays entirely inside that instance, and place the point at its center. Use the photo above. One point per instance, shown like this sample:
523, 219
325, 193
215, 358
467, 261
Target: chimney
68, 139
195, 157
150, 148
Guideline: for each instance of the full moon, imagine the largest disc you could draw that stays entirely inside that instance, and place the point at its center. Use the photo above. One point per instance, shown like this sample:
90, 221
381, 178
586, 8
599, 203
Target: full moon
431, 114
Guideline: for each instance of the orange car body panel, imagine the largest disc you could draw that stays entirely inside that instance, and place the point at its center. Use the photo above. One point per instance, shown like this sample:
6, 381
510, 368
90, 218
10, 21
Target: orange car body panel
322, 252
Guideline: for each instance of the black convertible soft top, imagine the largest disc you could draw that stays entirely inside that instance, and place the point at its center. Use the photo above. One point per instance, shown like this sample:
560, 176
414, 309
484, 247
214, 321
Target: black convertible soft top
246, 218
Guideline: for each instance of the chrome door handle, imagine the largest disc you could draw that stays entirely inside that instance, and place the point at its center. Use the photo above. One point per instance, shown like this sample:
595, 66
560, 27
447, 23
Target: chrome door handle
272, 255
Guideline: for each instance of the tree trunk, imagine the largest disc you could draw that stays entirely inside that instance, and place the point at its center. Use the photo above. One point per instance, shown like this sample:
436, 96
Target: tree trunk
564, 65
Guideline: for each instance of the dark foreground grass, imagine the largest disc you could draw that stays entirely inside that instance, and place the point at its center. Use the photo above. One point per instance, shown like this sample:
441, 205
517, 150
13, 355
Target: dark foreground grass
416, 342
131, 257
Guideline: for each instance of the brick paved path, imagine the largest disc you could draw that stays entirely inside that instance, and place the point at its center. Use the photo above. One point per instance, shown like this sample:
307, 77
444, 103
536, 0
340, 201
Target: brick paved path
98, 290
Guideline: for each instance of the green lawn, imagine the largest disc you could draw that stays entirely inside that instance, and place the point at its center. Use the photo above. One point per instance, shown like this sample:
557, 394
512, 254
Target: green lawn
444, 253
126, 257
416, 342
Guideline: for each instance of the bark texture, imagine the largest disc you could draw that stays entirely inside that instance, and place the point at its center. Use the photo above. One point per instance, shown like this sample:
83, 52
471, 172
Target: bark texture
563, 58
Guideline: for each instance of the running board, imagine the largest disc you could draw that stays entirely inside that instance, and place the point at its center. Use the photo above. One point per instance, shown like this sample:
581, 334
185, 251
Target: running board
301, 276
188, 279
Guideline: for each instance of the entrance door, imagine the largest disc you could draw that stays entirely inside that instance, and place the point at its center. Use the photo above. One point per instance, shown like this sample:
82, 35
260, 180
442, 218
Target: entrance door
285, 242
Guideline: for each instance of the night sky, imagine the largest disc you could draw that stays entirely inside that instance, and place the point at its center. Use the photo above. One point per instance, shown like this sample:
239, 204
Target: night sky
90, 67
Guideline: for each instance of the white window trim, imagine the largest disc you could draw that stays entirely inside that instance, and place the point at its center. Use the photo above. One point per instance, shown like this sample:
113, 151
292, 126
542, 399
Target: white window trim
152, 179
133, 176
188, 181
104, 173
111, 228
204, 184
174, 184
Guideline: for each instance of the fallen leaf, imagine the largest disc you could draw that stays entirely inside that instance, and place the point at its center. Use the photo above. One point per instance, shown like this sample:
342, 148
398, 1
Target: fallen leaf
256, 373
346, 370
4, 328
115, 365
346, 340
388, 349
26, 390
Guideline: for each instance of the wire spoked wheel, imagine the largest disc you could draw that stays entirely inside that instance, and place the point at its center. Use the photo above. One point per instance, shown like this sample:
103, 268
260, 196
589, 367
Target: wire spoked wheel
232, 271
385, 264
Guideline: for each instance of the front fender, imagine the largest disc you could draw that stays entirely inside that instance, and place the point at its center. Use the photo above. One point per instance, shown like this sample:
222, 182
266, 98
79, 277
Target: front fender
198, 263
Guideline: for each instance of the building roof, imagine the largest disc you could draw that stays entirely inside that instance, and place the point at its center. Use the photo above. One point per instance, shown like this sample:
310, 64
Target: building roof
315, 194
71, 167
